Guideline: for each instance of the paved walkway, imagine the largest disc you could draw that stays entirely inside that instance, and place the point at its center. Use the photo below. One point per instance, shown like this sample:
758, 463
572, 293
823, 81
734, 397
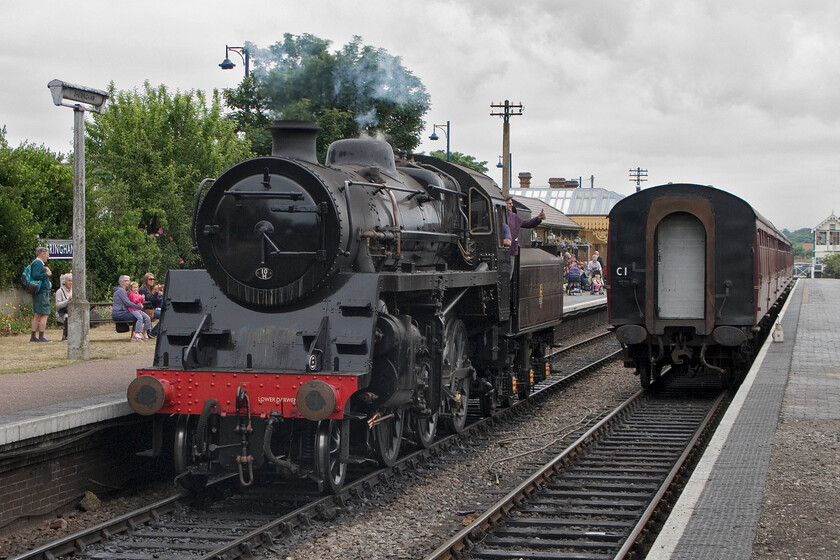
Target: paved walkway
20, 392
718, 512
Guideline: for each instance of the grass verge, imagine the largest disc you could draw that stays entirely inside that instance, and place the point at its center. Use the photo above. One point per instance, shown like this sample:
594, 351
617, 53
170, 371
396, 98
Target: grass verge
20, 356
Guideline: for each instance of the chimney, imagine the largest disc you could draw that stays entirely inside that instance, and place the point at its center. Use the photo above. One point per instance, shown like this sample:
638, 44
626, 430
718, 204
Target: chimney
294, 139
524, 180
562, 183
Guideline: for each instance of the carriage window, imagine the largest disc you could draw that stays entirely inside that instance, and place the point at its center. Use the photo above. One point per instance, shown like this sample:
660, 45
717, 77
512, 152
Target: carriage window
479, 212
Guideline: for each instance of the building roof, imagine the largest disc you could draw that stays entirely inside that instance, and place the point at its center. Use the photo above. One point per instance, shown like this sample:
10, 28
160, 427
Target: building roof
573, 202
831, 219
553, 216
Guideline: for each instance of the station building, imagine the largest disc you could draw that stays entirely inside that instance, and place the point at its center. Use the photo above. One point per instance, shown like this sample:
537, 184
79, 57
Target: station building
588, 207
826, 238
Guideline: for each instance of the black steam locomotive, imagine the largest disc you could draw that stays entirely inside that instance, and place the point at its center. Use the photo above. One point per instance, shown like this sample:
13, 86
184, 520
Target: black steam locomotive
344, 307
695, 274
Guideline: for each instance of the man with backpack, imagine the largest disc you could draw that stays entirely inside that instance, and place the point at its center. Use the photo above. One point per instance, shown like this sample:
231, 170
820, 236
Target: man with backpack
40, 272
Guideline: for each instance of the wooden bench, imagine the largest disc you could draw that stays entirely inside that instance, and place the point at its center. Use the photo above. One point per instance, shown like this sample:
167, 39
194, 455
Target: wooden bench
123, 326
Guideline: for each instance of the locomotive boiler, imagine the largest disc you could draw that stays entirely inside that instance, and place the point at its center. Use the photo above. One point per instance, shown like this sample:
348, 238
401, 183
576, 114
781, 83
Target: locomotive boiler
695, 275
343, 308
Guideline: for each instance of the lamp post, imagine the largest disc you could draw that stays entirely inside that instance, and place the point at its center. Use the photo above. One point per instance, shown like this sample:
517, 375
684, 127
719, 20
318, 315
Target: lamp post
227, 64
78, 317
509, 166
445, 130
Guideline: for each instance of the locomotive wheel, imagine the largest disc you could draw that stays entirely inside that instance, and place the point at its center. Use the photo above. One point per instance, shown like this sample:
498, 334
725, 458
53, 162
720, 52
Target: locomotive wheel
328, 466
456, 422
183, 455
643, 368
182, 452
387, 438
524, 387
489, 402
425, 429
456, 356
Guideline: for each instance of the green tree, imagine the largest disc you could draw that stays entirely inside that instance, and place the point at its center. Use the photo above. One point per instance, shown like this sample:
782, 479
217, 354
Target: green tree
461, 159
831, 265
146, 155
36, 201
250, 116
802, 235
359, 89
799, 251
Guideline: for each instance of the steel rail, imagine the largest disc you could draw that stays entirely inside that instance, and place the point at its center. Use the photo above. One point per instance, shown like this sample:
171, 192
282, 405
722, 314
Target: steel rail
459, 545
266, 535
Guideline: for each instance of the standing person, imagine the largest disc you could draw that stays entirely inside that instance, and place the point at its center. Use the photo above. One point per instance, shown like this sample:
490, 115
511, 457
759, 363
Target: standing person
39, 271
515, 223
601, 262
594, 267
62, 298
123, 309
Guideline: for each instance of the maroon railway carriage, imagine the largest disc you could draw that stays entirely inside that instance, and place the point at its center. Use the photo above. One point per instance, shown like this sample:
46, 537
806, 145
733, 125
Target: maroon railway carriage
694, 274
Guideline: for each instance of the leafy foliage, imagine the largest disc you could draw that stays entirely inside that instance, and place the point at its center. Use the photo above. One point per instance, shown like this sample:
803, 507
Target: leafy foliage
461, 159
802, 235
146, 155
357, 90
36, 200
831, 265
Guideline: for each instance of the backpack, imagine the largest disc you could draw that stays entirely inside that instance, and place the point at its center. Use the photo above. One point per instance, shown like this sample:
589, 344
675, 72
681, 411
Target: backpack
31, 286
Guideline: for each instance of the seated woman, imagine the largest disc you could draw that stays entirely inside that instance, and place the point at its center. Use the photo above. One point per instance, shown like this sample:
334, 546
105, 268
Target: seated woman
154, 299
62, 298
123, 309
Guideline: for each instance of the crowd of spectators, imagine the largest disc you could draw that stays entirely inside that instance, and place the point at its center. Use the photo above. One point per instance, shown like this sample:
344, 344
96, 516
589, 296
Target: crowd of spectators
130, 301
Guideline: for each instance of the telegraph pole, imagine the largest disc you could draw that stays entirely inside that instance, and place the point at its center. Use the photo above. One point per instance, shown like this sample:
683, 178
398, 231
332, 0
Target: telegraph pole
638, 175
508, 112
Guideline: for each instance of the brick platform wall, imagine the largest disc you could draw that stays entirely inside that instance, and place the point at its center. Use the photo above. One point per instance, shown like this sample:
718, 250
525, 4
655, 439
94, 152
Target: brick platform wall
37, 477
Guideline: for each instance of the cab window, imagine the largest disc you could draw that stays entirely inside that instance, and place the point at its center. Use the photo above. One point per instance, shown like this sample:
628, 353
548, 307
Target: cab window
480, 215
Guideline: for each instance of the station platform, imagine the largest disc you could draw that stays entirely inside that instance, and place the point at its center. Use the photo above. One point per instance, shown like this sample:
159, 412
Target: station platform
40, 403
719, 512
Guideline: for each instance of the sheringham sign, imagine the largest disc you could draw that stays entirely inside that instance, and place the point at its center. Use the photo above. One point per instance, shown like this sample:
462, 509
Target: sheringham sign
60, 248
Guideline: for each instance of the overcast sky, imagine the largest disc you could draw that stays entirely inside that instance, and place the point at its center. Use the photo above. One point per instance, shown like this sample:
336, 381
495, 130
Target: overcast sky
741, 95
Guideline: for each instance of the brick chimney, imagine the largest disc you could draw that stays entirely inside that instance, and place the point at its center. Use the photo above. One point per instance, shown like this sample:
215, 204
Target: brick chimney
562, 183
524, 180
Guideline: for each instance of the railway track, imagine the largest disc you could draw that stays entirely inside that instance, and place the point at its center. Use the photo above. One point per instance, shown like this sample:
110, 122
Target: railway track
600, 497
225, 527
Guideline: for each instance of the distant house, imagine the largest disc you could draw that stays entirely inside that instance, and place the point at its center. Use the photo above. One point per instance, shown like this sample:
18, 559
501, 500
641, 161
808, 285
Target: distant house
588, 207
826, 238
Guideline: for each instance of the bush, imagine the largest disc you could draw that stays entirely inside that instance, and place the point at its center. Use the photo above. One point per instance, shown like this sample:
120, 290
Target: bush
15, 319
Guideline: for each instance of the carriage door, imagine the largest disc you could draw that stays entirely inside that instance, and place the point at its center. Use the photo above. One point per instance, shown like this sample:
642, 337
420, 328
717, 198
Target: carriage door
680, 267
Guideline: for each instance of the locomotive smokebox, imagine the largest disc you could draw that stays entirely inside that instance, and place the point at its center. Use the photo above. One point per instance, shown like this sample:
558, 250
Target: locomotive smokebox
294, 139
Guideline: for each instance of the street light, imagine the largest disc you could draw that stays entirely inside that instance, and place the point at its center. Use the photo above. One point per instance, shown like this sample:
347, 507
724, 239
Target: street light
227, 64
501, 166
445, 130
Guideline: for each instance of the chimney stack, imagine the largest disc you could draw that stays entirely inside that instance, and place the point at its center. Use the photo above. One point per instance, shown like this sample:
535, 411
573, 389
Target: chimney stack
524, 180
294, 139
562, 183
